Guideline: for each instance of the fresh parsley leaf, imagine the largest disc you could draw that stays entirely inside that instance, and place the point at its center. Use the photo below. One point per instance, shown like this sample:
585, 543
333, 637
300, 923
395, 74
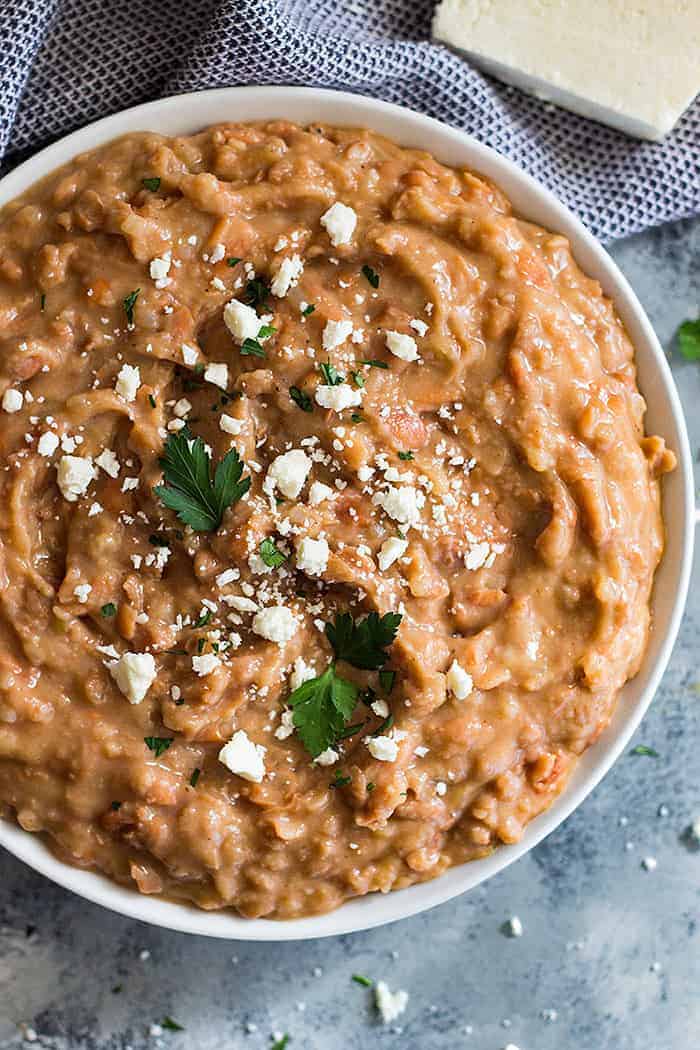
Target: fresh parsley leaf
642, 749
301, 399
256, 293
233, 260
281, 1043
308, 310
158, 744
363, 644
171, 1025
189, 490
196, 774
271, 554
109, 609
351, 730
386, 680
371, 275
252, 348
689, 340
322, 708
374, 363
359, 978
406, 456
129, 302
331, 375
151, 184
203, 620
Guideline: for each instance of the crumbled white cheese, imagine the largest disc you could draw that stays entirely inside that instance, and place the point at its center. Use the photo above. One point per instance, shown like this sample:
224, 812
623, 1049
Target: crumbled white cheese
227, 576
383, 748
241, 320
340, 222
403, 346
277, 623
650, 863
241, 604
390, 1004
128, 382
217, 374
287, 276
335, 333
327, 757
230, 425
389, 551
159, 269
217, 253
48, 443
286, 726
243, 757
257, 566
189, 354
108, 461
74, 474
319, 493
288, 473
12, 400
513, 927
82, 592
380, 708
402, 504
134, 673
182, 407
418, 326
338, 397
205, 664
458, 681
312, 555
301, 672
477, 556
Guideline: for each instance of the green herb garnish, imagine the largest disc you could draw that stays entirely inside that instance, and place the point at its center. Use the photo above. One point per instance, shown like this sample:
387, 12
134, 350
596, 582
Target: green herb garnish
406, 456
171, 1025
358, 378
280, 1044
689, 340
109, 609
203, 620
266, 331
256, 293
374, 363
356, 417
196, 774
158, 744
322, 708
331, 375
301, 399
308, 310
340, 780
252, 348
371, 275
642, 749
43, 302
189, 490
359, 978
129, 302
386, 680
151, 401
371, 786
152, 184
233, 260
363, 644
116, 806
271, 554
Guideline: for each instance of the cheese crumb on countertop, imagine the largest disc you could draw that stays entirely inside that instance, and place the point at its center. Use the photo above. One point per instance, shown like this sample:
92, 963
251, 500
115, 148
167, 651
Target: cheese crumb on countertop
243, 757
390, 1004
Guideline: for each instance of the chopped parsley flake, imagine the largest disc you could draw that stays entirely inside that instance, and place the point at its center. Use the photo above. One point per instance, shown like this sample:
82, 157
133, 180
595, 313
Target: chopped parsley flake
129, 302
256, 293
642, 749
281, 1043
172, 1026
151, 401
43, 302
301, 399
271, 554
374, 363
689, 340
233, 260
340, 780
308, 310
116, 806
196, 774
109, 609
406, 456
386, 680
158, 744
189, 490
252, 348
331, 375
371, 275
359, 978
203, 620
151, 184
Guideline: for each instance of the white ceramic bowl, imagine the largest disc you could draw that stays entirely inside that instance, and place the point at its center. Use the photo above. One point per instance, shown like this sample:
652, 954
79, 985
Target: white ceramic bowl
184, 114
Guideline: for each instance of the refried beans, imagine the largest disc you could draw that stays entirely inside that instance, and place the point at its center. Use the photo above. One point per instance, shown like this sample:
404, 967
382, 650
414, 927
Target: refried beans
328, 523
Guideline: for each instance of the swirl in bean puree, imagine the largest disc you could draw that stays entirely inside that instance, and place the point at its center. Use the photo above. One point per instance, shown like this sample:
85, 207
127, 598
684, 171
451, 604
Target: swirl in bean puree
328, 523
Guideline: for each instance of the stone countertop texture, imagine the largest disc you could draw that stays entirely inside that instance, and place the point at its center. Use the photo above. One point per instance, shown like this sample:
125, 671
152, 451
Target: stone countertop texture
612, 948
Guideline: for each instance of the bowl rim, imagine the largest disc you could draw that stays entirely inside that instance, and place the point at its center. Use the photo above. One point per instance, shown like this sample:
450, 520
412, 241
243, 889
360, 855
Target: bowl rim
188, 112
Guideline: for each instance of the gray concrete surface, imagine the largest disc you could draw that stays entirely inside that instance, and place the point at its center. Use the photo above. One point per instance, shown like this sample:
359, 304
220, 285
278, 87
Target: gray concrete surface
612, 948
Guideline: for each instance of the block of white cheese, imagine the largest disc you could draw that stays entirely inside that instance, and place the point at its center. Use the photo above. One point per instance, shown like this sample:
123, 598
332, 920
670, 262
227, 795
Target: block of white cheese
633, 64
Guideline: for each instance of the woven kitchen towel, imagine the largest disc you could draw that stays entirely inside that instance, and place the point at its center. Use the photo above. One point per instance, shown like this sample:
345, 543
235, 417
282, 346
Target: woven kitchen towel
66, 62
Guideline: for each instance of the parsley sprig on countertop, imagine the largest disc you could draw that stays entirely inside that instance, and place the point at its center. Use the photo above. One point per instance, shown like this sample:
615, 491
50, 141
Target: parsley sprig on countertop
324, 705
189, 490
689, 340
